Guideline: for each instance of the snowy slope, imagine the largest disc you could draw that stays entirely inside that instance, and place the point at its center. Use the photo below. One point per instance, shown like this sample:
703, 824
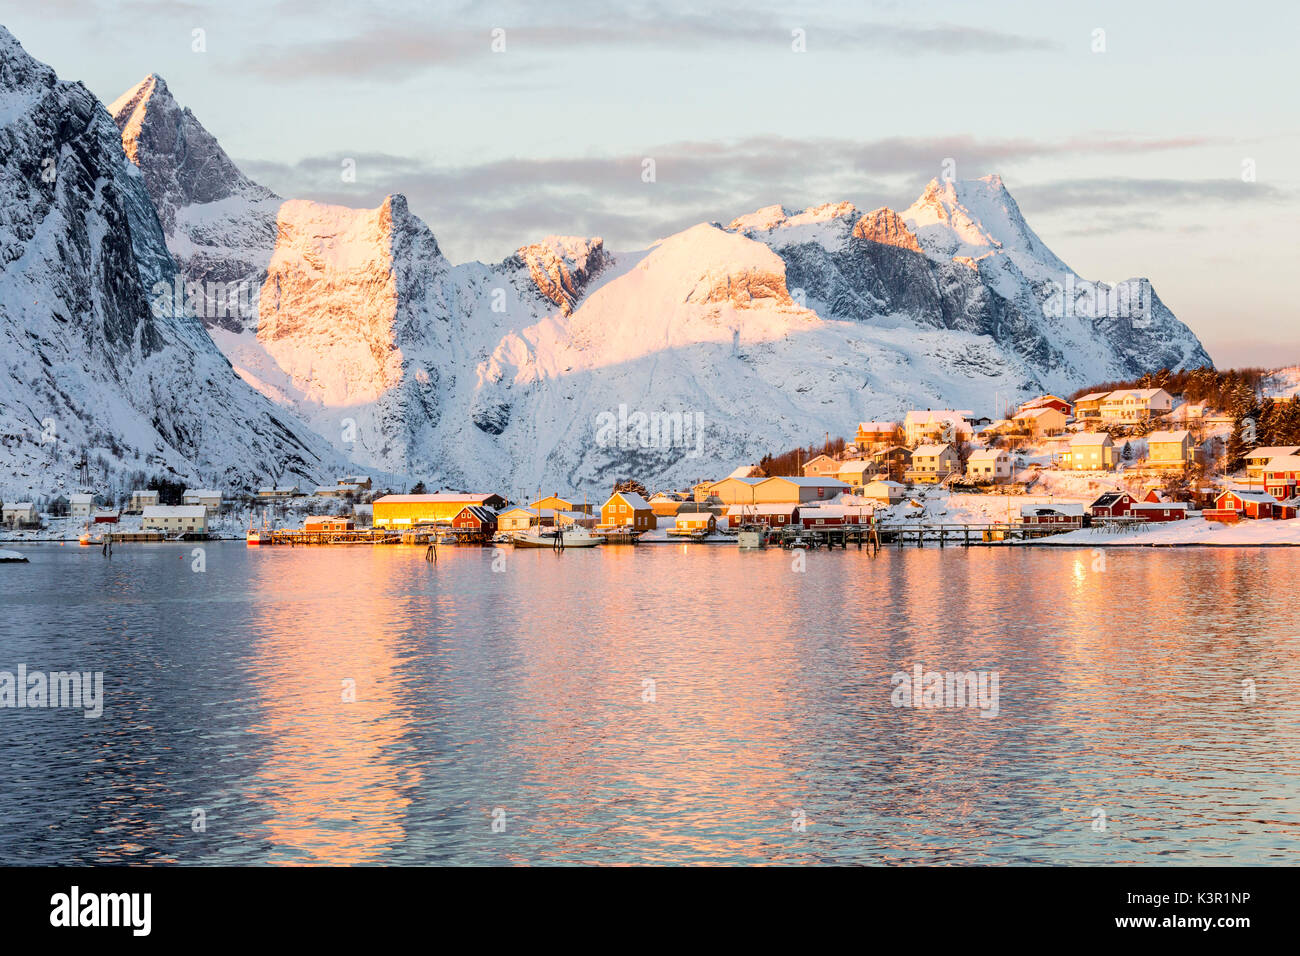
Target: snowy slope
768, 332
90, 367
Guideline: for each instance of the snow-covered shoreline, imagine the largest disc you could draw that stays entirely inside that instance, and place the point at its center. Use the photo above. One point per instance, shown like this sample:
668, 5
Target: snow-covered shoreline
1191, 533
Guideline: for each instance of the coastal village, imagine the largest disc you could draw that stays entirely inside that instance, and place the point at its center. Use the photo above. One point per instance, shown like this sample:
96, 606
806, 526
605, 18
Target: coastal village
1110, 463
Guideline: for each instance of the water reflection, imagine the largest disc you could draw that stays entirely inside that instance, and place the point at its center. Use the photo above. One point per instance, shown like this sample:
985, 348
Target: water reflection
648, 705
325, 672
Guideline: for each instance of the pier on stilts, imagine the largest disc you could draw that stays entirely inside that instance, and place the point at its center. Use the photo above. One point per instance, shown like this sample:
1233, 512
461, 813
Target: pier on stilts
873, 536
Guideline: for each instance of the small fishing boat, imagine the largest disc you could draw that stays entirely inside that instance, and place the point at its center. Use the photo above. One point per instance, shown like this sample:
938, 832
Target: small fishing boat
87, 539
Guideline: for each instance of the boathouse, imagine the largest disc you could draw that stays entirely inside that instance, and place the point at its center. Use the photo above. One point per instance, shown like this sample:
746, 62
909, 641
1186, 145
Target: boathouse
402, 511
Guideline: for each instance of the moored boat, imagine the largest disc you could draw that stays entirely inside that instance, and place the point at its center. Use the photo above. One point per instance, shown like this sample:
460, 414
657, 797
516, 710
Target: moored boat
559, 540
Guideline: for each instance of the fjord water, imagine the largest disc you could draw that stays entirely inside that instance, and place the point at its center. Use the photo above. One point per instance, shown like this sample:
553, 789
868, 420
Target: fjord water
675, 703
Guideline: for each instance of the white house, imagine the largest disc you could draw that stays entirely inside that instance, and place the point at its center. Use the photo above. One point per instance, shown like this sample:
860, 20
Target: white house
81, 505
885, 492
143, 499
1041, 421
937, 425
206, 497
1260, 457
1135, 404
175, 519
1170, 449
279, 491
933, 463
989, 466
857, 473
1092, 451
18, 512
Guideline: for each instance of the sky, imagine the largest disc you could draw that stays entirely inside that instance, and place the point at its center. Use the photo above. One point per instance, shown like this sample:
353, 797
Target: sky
1158, 139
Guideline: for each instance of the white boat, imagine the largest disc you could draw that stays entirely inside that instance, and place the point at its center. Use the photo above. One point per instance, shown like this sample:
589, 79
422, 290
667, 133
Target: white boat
551, 538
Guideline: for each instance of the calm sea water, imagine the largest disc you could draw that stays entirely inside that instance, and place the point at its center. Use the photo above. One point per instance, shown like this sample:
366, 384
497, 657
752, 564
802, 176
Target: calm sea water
521, 697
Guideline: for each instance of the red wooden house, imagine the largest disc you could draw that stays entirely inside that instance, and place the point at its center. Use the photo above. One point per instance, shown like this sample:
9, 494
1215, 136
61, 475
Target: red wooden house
1113, 504
1234, 505
1281, 476
833, 516
476, 520
770, 515
1159, 510
1064, 513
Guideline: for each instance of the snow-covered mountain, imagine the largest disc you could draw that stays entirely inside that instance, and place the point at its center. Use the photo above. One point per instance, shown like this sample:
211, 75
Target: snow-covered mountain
553, 367
93, 367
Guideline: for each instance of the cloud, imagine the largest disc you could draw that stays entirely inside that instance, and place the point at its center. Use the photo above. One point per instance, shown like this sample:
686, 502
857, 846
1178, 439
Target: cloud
397, 46
1076, 194
488, 209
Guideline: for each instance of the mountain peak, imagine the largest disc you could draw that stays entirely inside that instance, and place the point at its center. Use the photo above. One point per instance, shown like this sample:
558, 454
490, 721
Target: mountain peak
182, 162
973, 218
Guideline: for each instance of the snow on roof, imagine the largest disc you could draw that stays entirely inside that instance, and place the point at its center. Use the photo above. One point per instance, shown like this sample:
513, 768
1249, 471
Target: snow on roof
175, 511
1258, 497
887, 483
988, 454
856, 467
448, 497
482, 512
744, 471
836, 511
810, 481
634, 500
764, 509
929, 451
1173, 436
692, 516
1067, 508
18, 505
204, 492
1091, 397
1123, 393
535, 512
1090, 438
1036, 412
932, 416
1110, 497
1283, 463
1276, 451
877, 426
81, 499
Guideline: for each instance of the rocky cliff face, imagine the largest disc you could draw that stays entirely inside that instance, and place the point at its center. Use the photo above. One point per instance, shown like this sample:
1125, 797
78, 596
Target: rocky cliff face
96, 362
766, 332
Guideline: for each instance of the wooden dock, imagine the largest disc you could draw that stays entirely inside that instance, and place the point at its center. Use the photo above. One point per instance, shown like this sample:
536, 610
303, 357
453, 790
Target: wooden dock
968, 535
296, 537
919, 533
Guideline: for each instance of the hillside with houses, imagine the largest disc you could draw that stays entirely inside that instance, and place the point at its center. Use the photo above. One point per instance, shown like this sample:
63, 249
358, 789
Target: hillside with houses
1109, 462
